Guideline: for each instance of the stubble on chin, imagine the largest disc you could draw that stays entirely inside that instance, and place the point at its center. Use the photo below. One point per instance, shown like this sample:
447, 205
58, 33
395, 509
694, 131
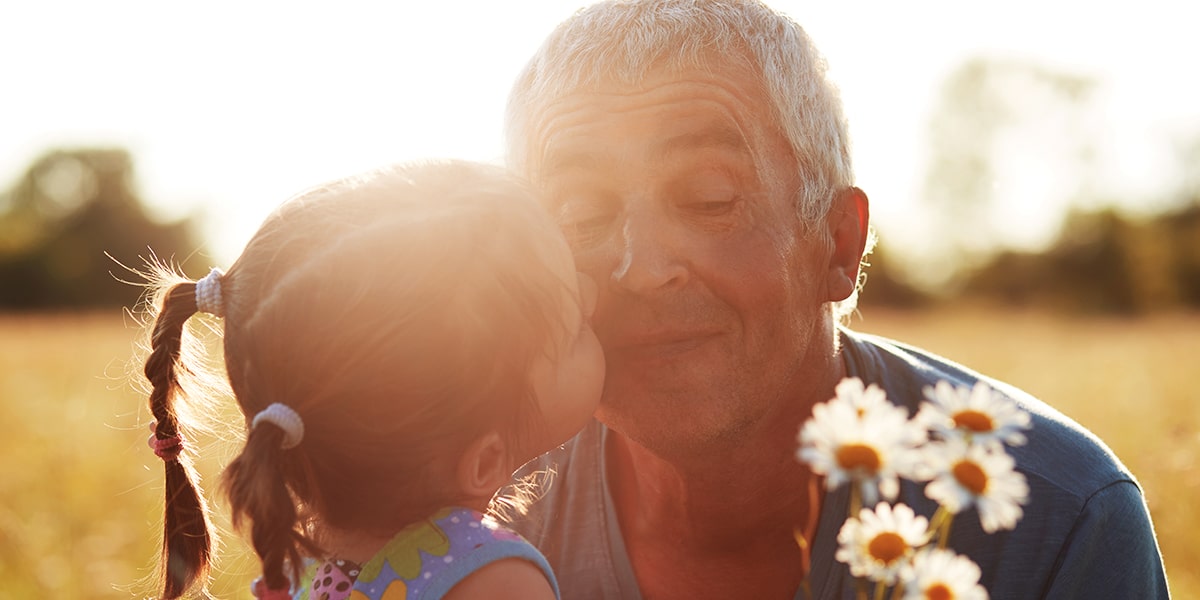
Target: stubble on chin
676, 430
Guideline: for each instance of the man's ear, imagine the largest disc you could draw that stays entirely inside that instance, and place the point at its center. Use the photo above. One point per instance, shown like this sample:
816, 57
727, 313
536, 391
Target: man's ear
484, 466
849, 222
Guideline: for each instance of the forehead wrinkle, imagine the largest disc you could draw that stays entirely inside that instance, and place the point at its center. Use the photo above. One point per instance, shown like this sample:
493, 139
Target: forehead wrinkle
714, 137
741, 102
717, 131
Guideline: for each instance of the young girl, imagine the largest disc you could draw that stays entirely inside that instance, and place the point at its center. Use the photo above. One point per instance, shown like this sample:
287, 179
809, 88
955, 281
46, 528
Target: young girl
398, 343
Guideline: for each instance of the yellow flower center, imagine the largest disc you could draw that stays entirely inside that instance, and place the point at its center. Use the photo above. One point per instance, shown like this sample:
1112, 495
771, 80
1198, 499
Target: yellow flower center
887, 547
858, 456
971, 476
939, 591
973, 420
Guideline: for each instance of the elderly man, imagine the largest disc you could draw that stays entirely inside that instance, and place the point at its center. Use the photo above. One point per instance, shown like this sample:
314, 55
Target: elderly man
698, 160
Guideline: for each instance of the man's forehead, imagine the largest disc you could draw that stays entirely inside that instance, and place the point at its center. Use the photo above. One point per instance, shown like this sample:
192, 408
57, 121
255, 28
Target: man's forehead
668, 141
666, 117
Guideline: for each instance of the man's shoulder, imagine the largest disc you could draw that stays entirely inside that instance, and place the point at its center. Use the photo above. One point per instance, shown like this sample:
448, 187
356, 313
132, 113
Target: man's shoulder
1059, 452
570, 518
1084, 508
552, 488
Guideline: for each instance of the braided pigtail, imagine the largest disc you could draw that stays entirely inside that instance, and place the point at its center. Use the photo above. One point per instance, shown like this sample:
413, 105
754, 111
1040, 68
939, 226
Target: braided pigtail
187, 543
257, 490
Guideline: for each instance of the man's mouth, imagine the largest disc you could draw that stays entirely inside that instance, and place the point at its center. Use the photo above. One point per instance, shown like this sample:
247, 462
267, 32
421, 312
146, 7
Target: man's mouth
657, 345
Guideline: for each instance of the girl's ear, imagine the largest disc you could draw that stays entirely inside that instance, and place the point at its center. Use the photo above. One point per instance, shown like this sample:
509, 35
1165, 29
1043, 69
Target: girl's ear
484, 466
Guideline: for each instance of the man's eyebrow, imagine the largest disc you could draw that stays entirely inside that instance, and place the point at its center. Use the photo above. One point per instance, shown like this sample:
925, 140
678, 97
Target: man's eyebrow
717, 136
583, 160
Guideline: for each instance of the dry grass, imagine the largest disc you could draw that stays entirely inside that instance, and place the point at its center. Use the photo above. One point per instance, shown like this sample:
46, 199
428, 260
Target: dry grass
80, 495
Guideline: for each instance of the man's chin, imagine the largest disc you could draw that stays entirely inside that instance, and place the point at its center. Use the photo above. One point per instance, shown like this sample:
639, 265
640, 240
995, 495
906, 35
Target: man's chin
676, 433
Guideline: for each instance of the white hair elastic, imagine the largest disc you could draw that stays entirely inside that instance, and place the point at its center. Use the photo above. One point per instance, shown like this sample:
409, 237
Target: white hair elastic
283, 417
208, 294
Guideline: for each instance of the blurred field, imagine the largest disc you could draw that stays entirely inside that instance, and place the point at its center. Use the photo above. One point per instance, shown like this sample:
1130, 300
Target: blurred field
80, 495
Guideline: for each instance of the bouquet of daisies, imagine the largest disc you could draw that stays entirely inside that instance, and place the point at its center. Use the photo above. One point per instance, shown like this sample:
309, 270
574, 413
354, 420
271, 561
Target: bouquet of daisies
955, 443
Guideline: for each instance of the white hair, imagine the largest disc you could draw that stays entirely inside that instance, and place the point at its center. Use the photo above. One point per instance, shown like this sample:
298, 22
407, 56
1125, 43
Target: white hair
620, 42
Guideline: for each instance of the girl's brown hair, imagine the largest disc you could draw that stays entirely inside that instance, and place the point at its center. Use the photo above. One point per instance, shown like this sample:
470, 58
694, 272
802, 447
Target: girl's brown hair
399, 313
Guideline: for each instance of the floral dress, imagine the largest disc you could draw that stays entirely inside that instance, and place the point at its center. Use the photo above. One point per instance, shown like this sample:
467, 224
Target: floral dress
423, 561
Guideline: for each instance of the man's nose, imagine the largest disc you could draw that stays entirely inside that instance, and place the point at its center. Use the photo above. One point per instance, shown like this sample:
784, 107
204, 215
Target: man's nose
649, 252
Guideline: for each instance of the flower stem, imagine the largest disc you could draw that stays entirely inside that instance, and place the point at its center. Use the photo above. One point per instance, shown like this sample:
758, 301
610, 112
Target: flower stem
855, 499
935, 524
944, 536
879, 590
802, 542
808, 532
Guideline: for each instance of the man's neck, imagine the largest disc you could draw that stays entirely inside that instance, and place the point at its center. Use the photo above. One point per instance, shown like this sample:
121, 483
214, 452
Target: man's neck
728, 514
722, 530
726, 486
711, 501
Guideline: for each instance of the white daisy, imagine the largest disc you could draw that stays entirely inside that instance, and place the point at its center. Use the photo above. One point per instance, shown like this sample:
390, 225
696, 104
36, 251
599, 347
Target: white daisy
878, 543
937, 574
981, 414
863, 399
980, 476
859, 438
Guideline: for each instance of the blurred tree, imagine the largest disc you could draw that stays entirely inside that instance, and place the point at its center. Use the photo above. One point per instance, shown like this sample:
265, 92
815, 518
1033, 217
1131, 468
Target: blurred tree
1087, 269
996, 118
1182, 228
1103, 262
887, 286
58, 221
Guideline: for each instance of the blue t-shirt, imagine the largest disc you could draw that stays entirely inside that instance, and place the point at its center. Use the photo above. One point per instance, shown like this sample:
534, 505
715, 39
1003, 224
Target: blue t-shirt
1085, 533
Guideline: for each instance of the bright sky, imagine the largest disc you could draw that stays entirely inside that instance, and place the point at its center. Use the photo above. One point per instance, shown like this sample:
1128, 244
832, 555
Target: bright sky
231, 107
